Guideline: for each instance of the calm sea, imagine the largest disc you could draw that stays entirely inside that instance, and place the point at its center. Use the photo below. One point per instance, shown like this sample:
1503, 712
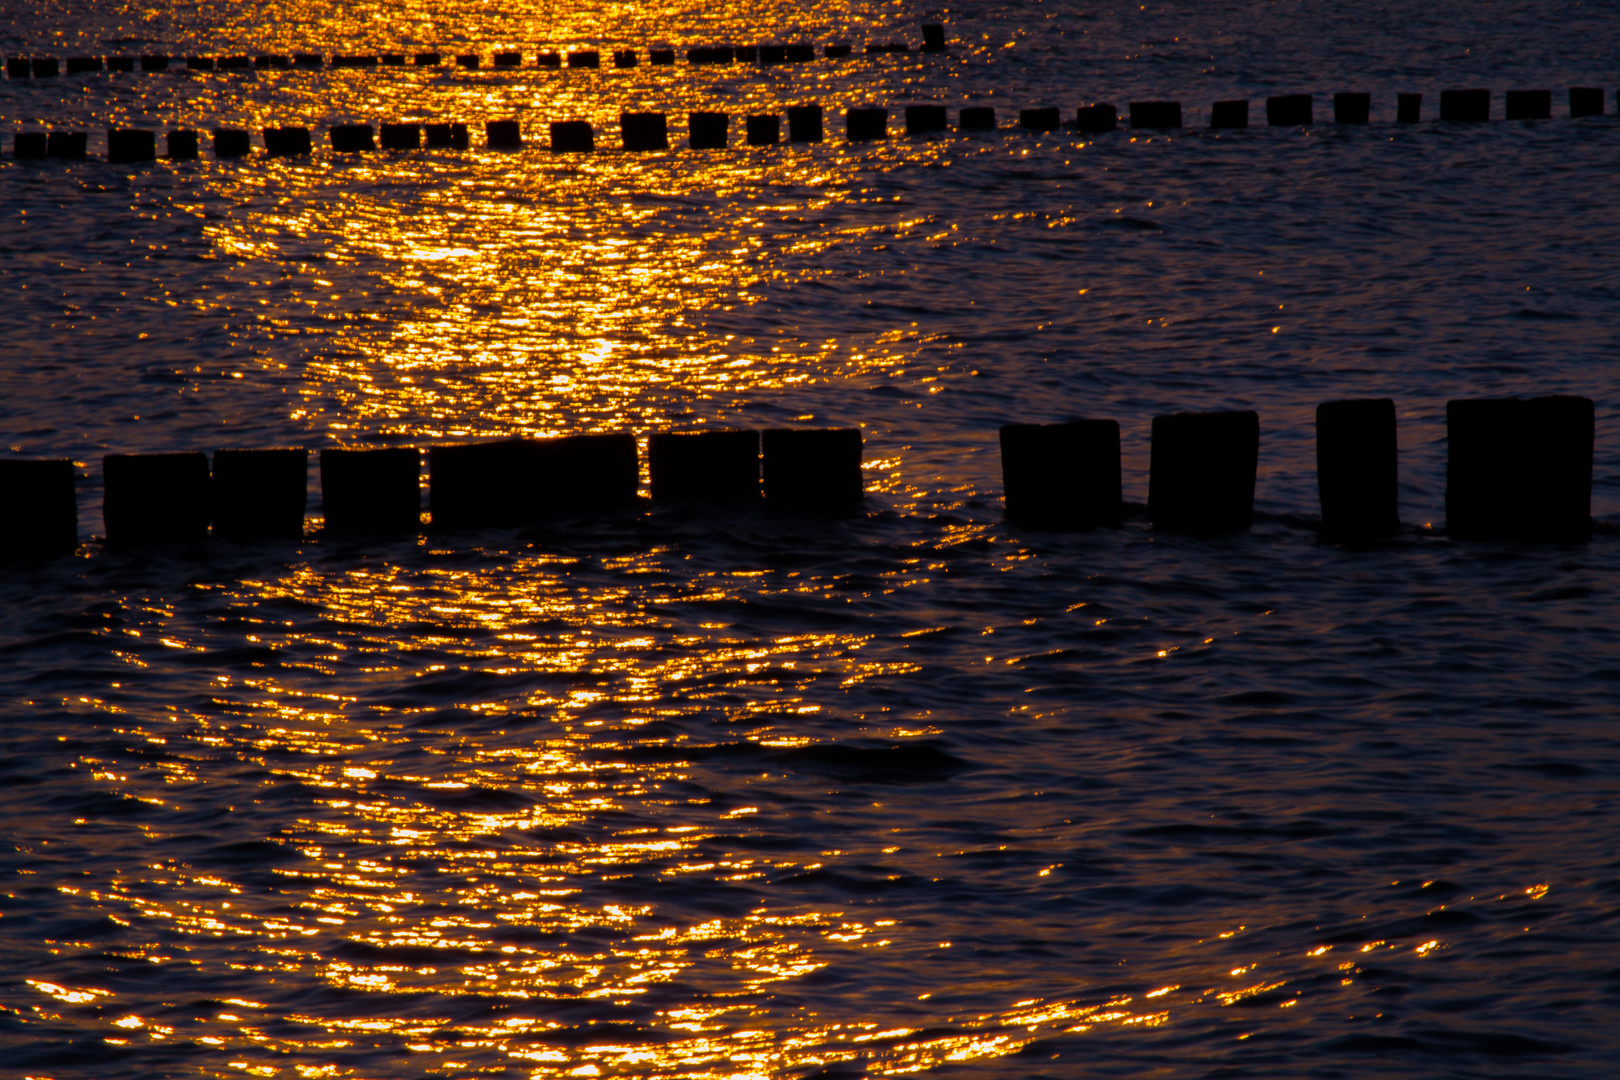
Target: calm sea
709, 794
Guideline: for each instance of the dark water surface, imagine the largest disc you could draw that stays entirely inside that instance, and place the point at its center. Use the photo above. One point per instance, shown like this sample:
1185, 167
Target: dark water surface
727, 794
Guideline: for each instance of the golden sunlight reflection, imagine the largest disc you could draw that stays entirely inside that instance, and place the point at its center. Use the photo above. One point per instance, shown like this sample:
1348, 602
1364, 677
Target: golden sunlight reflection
431, 859
545, 295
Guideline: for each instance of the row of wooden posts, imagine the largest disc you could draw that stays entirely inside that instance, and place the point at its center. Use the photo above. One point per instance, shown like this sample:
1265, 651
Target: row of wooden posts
649, 131
1516, 468
46, 67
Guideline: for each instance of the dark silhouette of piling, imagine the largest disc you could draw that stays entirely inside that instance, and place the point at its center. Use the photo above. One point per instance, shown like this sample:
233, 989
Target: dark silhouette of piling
488, 484
591, 471
704, 466
771, 54
284, 142
585, 58
121, 64
67, 145
1229, 114
708, 130
151, 62
1529, 105
260, 494
45, 67
572, 137
836, 52
352, 138
29, 144
427, 59
447, 136
42, 516
933, 38
78, 65
183, 145
199, 63
1155, 114
707, 55
235, 63
1062, 475
522, 481
469, 61
506, 135
923, 119
548, 60
1353, 108
764, 130
1202, 470
17, 67
1519, 469
372, 490
156, 498
644, 131
660, 57
401, 136
866, 124
125, 146
800, 54
1465, 106
1408, 108
512, 60
624, 58
393, 60
804, 123
1102, 118
977, 118
812, 467
1355, 468
1047, 119
271, 63
1288, 110
235, 143
354, 61
1585, 101
308, 60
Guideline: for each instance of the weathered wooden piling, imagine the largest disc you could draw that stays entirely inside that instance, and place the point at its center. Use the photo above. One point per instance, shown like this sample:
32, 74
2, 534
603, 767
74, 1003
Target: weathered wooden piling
704, 466
812, 467
260, 493
1202, 470
1064, 475
1356, 468
708, 130
1519, 469
42, 517
156, 498
372, 490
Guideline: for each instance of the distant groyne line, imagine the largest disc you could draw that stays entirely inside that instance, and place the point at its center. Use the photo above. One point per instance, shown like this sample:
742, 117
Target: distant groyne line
1516, 469
713, 130
763, 55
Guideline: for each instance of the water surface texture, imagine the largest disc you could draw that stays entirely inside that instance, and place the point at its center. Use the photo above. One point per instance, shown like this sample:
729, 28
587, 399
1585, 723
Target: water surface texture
697, 793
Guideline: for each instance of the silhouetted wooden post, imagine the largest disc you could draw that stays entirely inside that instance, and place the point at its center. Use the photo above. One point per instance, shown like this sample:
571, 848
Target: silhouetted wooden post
260, 494
372, 490
1062, 475
1519, 469
42, 516
1202, 471
153, 498
812, 467
1356, 468
704, 466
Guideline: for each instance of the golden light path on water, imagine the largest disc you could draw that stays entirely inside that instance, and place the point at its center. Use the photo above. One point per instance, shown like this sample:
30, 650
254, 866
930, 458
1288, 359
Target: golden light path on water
514, 819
